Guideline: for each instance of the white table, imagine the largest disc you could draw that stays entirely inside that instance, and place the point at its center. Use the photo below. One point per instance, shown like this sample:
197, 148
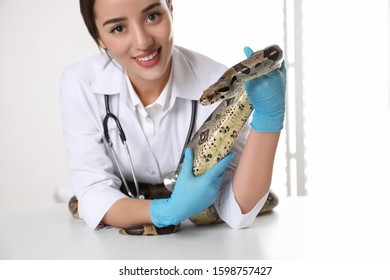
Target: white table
299, 228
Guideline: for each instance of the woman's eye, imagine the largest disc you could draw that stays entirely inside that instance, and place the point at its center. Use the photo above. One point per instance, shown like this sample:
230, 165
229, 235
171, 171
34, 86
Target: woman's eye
118, 29
154, 17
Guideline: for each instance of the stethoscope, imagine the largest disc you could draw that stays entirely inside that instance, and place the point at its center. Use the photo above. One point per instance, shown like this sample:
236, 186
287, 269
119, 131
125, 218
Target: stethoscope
170, 178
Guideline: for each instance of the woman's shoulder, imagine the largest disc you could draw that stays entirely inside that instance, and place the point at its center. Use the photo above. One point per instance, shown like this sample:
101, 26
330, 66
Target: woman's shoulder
200, 61
205, 69
86, 69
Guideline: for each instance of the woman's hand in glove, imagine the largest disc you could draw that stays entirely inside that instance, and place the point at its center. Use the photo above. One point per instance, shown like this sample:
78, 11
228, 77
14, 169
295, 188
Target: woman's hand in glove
267, 95
192, 194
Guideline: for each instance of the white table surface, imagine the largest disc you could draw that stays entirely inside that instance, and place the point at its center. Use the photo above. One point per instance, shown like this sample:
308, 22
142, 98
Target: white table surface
299, 228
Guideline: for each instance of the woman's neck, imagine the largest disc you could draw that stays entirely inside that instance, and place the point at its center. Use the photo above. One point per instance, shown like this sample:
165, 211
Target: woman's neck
149, 91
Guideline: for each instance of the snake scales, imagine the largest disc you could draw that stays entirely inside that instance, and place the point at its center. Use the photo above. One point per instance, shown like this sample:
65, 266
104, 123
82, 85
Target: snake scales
216, 136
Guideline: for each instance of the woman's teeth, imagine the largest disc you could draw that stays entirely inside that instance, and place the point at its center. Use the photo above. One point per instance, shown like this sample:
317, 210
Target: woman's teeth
147, 58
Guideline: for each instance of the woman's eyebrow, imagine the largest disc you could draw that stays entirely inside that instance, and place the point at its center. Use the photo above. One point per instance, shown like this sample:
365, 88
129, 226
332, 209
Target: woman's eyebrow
144, 11
114, 20
151, 7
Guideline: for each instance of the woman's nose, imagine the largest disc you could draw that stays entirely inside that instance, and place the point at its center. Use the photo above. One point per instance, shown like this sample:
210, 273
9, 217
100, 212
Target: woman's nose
141, 38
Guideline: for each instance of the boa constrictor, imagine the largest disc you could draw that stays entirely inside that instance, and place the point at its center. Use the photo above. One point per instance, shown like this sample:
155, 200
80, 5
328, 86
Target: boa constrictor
216, 136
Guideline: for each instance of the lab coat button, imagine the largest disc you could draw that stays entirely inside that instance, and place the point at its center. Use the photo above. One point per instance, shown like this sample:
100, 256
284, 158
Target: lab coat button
99, 138
150, 171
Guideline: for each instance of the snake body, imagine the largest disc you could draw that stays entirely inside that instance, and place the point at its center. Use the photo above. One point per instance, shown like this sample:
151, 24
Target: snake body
218, 133
215, 138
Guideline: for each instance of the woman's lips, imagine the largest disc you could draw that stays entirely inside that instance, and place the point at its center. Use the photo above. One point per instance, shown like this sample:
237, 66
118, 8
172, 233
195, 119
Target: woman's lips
148, 59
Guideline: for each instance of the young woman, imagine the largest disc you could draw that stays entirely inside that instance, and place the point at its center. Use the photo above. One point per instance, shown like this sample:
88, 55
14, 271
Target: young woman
149, 84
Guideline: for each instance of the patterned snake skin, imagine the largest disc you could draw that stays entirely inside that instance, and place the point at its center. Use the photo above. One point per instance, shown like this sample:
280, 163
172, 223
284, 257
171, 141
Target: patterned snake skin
218, 133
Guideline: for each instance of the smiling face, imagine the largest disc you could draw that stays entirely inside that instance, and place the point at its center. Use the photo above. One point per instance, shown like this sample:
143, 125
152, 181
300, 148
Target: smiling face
138, 35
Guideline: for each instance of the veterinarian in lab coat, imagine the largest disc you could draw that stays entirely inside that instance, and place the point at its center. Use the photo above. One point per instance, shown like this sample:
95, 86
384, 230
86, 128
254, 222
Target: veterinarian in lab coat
150, 84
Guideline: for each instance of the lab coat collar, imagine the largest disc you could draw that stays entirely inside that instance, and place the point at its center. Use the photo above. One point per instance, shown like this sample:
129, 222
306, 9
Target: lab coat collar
112, 79
185, 83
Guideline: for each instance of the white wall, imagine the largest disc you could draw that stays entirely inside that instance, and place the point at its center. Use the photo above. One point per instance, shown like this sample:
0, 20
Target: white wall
39, 38
347, 116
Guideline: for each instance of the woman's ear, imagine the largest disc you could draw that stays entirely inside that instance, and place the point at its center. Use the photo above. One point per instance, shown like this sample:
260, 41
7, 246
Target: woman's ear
170, 6
101, 44
171, 9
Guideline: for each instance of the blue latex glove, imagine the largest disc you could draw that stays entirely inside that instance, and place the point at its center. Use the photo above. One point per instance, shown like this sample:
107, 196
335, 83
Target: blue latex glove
267, 95
192, 194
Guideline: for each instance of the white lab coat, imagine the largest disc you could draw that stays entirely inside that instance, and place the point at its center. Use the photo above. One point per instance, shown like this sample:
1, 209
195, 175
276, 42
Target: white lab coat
92, 175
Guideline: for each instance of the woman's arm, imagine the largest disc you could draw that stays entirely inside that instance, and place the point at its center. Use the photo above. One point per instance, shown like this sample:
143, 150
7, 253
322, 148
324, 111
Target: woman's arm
127, 212
191, 195
253, 175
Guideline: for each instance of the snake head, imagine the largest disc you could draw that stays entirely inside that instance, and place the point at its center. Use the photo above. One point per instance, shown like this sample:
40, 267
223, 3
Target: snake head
214, 93
259, 63
221, 89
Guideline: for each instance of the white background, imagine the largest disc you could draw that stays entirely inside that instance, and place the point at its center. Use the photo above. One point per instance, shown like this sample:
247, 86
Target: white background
347, 120
346, 87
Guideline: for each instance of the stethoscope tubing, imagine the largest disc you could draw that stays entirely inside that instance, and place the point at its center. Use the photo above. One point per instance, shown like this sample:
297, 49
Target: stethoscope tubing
122, 135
